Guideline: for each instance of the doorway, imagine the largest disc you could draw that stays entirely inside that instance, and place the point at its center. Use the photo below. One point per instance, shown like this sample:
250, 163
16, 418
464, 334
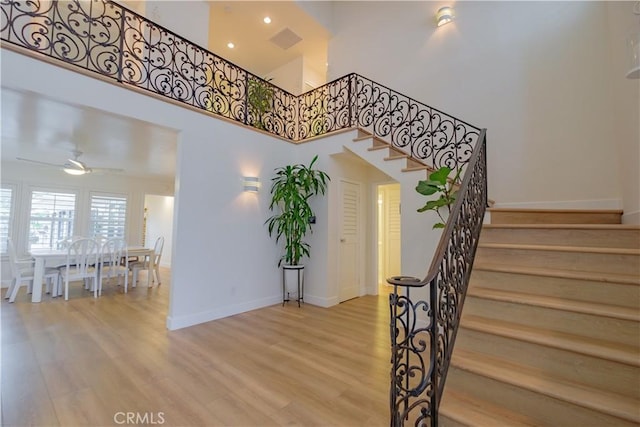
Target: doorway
158, 221
349, 274
389, 237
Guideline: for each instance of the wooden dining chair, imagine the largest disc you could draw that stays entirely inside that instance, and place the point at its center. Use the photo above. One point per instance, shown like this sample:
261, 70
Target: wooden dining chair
114, 262
82, 261
22, 271
135, 267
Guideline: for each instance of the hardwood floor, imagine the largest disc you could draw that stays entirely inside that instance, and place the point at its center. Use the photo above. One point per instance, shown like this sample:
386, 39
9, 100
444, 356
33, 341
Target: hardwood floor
91, 362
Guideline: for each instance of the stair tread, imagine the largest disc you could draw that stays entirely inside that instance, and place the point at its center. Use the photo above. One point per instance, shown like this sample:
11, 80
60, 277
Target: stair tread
415, 168
566, 226
378, 147
611, 311
397, 157
626, 279
527, 210
553, 248
475, 412
579, 344
538, 381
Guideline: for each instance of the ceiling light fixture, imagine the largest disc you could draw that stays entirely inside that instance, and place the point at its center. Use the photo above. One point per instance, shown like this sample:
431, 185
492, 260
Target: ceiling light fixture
444, 16
267, 20
73, 171
230, 45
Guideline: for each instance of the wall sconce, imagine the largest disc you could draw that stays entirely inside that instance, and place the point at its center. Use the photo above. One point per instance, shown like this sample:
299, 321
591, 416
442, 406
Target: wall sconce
251, 184
444, 16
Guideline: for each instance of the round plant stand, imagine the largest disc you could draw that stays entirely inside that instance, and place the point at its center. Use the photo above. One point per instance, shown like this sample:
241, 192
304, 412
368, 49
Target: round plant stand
299, 270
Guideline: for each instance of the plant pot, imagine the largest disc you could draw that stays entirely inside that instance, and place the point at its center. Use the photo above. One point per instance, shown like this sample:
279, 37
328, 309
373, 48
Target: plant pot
292, 283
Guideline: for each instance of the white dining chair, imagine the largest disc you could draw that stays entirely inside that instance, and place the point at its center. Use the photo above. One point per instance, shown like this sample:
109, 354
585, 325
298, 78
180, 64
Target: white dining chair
22, 271
114, 262
136, 266
81, 264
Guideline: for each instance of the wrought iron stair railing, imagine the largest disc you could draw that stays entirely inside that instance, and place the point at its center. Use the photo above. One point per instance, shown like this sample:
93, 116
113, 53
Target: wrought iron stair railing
103, 37
423, 332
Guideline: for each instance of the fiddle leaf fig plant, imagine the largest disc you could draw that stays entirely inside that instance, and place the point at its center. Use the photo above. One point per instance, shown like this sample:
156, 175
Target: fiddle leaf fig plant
292, 187
443, 189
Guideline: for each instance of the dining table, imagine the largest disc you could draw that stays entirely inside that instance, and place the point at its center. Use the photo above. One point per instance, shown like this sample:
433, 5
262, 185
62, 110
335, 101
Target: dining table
54, 257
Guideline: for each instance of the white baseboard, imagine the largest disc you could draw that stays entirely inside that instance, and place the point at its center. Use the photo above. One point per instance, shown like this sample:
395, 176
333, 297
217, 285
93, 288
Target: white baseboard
320, 301
631, 218
567, 204
180, 322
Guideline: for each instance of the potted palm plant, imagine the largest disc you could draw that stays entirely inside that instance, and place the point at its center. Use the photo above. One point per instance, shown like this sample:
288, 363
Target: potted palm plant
292, 187
260, 94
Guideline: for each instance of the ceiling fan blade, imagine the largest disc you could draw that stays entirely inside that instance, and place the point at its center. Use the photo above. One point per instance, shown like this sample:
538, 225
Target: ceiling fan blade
106, 170
77, 164
39, 162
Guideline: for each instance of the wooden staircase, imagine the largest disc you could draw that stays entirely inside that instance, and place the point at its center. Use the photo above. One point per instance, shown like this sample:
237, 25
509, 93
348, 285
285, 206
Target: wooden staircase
411, 163
550, 333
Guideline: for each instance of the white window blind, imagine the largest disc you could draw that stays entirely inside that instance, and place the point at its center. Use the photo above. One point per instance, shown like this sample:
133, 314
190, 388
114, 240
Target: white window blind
51, 218
6, 209
108, 216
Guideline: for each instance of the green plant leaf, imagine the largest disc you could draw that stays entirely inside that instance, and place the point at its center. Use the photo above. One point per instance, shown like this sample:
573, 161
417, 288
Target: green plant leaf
438, 225
440, 175
426, 188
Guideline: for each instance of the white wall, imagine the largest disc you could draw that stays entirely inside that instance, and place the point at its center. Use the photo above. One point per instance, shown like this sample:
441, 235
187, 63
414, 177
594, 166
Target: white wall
626, 107
188, 19
536, 74
160, 224
223, 261
289, 76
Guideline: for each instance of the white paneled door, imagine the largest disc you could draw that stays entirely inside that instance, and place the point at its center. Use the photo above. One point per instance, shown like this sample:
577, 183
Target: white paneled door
349, 275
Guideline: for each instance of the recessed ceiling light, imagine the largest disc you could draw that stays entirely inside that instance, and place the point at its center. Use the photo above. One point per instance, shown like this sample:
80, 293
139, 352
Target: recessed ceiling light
267, 20
231, 45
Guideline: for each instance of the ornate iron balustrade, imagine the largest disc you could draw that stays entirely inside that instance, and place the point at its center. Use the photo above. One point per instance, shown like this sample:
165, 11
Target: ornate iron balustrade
423, 332
106, 38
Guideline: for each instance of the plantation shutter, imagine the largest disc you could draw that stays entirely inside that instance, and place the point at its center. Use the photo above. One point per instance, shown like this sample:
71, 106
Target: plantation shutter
108, 216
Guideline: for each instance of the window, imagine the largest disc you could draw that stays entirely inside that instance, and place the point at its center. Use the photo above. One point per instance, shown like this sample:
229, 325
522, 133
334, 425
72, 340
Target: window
108, 216
51, 219
6, 210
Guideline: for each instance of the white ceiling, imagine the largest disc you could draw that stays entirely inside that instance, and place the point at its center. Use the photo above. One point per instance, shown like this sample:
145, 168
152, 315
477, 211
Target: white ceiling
43, 129
242, 23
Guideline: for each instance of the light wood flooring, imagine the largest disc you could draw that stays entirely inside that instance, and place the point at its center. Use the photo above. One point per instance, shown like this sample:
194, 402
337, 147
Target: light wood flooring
85, 361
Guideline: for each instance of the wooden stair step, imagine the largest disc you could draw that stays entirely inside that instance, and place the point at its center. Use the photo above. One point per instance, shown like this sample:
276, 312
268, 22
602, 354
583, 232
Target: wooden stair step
575, 285
610, 260
625, 279
555, 216
578, 344
534, 380
596, 372
377, 147
594, 235
589, 326
467, 410
415, 168
614, 312
396, 156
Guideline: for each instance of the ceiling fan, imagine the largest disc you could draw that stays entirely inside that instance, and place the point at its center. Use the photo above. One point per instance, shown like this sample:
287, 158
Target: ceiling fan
73, 166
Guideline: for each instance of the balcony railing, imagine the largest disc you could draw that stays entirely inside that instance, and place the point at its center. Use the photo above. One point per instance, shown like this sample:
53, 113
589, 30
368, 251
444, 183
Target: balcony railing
108, 39
103, 37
